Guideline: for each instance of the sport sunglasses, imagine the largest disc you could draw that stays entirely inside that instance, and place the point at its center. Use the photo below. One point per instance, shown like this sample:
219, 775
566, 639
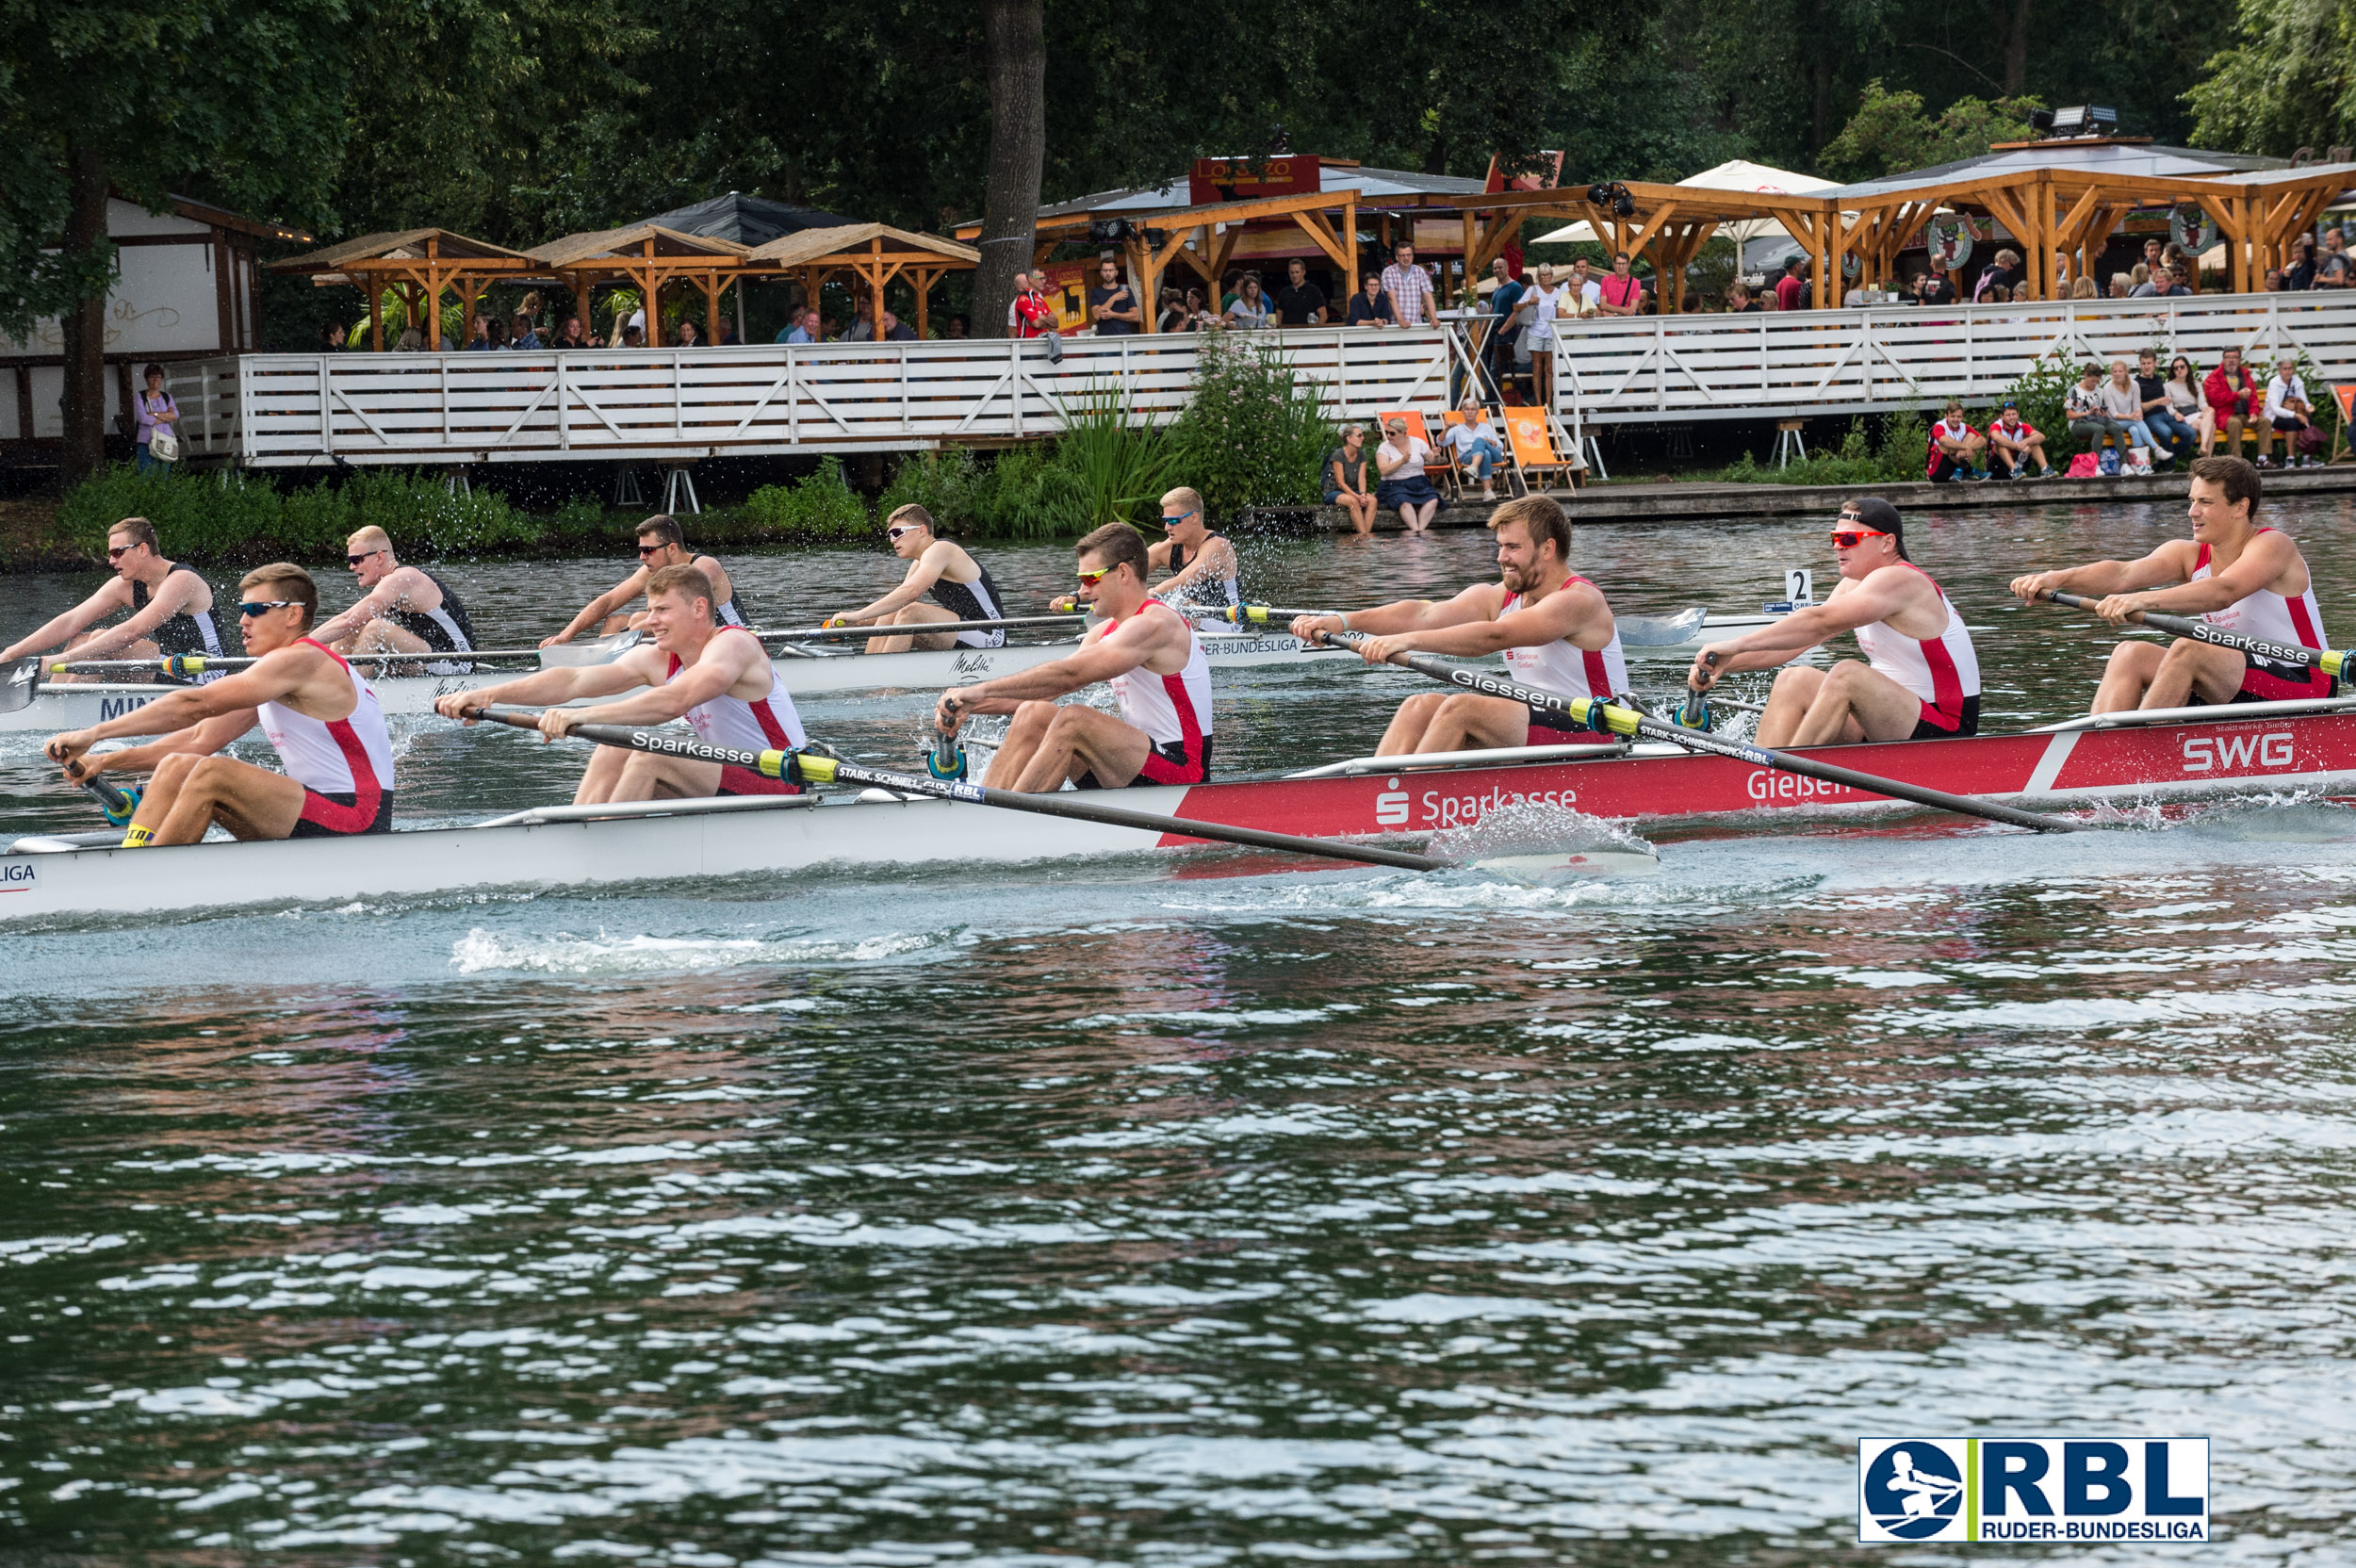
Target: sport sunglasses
252, 608
1850, 538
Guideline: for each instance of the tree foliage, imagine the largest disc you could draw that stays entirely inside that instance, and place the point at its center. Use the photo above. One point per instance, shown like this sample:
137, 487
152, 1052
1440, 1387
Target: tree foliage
2289, 80
1894, 131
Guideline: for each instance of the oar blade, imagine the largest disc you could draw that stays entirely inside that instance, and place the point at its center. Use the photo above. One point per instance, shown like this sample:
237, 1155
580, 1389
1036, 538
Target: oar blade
19, 680
1568, 866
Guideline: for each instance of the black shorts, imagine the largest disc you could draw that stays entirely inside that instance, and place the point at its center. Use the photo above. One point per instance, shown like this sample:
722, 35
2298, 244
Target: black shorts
1933, 725
307, 828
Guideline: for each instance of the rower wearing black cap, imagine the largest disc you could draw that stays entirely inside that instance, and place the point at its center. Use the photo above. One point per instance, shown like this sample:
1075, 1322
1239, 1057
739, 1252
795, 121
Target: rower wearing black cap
1920, 678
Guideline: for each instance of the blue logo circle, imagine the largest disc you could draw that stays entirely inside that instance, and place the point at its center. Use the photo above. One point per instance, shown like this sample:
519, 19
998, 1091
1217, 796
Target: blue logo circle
1913, 1489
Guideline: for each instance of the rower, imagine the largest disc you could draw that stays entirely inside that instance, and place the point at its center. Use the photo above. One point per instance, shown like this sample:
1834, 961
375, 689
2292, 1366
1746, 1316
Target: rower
322, 717
169, 601
659, 545
2231, 573
1200, 563
958, 585
1554, 627
718, 677
1920, 678
1160, 677
404, 609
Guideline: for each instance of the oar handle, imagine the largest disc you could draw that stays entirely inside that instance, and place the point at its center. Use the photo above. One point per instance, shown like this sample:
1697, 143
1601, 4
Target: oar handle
2331, 662
1260, 615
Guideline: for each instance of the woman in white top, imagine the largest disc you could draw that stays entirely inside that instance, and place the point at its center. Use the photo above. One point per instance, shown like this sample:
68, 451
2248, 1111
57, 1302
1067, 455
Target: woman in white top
1250, 310
2184, 396
2287, 414
1547, 301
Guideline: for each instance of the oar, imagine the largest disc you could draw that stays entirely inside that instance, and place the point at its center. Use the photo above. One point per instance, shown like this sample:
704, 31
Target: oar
117, 804
197, 663
2331, 661
19, 680
1588, 713
1260, 615
913, 628
804, 767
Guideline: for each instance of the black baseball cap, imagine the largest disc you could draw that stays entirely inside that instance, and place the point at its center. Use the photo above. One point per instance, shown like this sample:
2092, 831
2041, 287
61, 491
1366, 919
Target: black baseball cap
1879, 515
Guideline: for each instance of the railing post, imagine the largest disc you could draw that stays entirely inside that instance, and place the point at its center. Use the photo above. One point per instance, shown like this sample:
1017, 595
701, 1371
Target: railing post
564, 425
327, 408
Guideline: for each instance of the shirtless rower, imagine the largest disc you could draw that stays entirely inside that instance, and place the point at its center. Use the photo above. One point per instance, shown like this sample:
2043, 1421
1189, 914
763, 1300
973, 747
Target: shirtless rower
1160, 679
2231, 573
659, 545
402, 610
1554, 627
958, 585
718, 677
1920, 678
322, 717
1202, 564
169, 601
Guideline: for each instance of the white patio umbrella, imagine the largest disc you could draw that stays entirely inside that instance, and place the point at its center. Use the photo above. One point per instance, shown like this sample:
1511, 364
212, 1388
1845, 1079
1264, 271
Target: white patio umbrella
1735, 174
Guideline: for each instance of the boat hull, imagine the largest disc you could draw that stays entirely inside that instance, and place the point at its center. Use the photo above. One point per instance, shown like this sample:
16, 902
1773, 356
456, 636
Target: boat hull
2316, 754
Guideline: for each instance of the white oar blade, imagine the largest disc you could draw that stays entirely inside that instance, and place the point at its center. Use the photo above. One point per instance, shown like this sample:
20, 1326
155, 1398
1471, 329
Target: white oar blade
1575, 865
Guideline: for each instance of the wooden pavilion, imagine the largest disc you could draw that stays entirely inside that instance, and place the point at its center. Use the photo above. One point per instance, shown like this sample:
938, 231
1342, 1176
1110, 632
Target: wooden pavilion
418, 265
651, 258
874, 254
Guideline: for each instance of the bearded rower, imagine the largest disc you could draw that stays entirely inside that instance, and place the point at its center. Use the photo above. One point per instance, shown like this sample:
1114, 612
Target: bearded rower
1554, 627
2231, 573
403, 608
659, 545
320, 715
1160, 677
718, 677
1920, 678
170, 607
939, 570
1202, 564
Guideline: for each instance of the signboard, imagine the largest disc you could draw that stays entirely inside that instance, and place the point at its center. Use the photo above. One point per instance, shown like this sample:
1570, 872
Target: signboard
1242, 179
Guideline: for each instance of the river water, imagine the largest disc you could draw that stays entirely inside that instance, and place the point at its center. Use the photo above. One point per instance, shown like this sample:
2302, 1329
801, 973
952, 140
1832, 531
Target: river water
1167, 1214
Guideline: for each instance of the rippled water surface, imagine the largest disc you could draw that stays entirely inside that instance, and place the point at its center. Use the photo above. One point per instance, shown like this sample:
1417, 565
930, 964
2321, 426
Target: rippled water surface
1192, 1212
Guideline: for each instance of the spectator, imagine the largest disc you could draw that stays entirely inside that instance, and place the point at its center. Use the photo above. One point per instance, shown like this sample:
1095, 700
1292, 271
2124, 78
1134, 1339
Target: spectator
1547, 302
1409, 287
2121, 402
2022, 291
1505, 309
1398, 465
805, 328
527, 336
410, 341
2332, 267
1371, 306
2139, 285
2006, 270
1028, 313
1249, 309
2011, 442
495, 333
1997, 295
1346, 479
479, 335
2119, 286
570, 334
1299, 303
155, 408
863, 319
890, 328
1113, 308
2153, 258
1938, 288
2233, 399
686, 336
1585, 292
1955, 449
2275, 281
958, 330
2185, 402
2169, 282
2090, 421
2159, 410
1765, 299
2300, 274
2083, 289
1738, 301
1623, 292
1792, 288
1183, 313
633, 335
2188, 269
333, 340
1477, 446
2288, 413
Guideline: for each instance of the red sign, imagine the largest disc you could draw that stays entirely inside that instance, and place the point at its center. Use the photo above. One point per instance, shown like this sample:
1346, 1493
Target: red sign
1242, 179
1545, 177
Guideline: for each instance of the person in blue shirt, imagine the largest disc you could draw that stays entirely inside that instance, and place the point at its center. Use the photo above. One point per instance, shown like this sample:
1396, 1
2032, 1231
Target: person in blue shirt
1508, 294
804, 329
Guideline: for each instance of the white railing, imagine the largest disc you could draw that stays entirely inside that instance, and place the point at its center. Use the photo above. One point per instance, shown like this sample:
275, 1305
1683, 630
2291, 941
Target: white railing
267, 410
1780, 365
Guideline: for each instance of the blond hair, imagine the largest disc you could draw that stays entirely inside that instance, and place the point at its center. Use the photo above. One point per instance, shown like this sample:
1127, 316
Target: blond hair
1184, 498
368, 538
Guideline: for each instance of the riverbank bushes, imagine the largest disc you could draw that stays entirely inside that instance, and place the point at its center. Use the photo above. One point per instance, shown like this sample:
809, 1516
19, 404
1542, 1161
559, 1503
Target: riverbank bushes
242, 517
1899, 457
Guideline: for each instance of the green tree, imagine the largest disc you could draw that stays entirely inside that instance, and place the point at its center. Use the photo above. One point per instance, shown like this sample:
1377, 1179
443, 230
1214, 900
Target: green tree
2288, 82
1893, 131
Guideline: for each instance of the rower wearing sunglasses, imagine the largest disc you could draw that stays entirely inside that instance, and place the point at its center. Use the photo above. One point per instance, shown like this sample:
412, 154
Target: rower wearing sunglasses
322, 718
169, 602
1920, 678
939, 570
1200, 563
1554, 627
402, 610
1160, 677
659, 545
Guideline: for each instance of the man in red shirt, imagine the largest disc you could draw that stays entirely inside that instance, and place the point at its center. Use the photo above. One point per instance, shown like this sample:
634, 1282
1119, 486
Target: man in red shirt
2012, 441
1623, 291
2233, 397
1792, 288
1955, 449
1029, 314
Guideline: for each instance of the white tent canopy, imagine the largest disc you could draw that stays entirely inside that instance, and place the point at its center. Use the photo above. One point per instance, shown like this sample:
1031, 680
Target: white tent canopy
1735, 174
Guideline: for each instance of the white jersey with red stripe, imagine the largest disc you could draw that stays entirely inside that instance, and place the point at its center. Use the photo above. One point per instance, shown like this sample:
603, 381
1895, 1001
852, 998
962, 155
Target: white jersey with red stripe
1564, 669
2267, 614
764, 724
351, 756
1171, 708
1941, 671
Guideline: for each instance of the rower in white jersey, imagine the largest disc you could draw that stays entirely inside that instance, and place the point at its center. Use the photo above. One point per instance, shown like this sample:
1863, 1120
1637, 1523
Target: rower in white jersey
2231, 573
1920, 678
659, 545
716, 677
1202, 564
1160, 679
958, 586
1554, 627
323, 719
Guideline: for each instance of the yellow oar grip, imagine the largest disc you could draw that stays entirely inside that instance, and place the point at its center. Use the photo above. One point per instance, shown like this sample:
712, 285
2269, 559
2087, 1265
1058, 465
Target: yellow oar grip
808, 768
2336, 663
1620, 721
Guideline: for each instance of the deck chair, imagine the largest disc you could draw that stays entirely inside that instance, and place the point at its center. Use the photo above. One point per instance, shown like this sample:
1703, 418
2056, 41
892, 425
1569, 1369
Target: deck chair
1440, 468
1504, 465
1532, 446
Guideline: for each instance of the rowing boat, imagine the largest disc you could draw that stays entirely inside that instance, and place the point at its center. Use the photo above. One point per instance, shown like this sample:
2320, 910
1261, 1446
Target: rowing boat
2165, 755
813, 669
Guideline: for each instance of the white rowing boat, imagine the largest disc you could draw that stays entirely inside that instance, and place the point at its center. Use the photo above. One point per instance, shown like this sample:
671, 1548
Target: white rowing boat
816, 669
2171, 754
